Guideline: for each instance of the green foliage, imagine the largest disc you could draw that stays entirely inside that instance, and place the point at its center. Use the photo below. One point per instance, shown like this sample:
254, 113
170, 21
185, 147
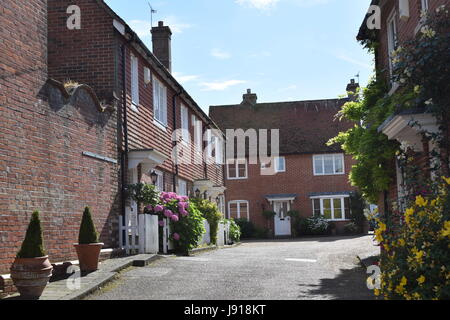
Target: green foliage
357, 206
190, 228
211, 213
87, 234
314, 226
143, 193
247, 228
293, 213
235, 231
371, 149
33, 245
268, 214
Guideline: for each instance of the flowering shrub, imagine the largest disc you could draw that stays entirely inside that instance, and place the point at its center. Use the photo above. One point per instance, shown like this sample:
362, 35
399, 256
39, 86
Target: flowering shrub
314, 226
416, 256
211, 213
235, 230
188, 230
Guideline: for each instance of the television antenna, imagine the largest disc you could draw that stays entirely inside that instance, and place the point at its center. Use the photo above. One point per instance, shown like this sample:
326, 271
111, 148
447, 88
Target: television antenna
152, 11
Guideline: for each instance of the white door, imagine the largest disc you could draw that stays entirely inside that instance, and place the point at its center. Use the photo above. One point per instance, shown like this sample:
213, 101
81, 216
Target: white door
281, 219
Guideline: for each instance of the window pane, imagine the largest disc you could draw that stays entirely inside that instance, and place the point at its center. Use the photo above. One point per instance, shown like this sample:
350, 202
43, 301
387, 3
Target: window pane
242, 170
233, 211
337, 208
338, 164
318, 165
281, 164
327, 208
328, 164
243, 210
231, 169
316, 207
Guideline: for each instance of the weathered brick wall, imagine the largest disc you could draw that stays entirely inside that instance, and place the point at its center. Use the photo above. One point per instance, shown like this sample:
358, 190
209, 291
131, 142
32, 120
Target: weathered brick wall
299, 178
43, 135
85, 55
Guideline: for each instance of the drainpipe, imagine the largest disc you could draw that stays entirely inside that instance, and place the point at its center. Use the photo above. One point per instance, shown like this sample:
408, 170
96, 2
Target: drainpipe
124, 157
175, 143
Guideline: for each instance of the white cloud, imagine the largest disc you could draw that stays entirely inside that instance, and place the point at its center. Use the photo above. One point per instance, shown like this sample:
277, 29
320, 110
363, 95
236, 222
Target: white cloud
220, 85
175, 25
258, 4
184, 78
220, 54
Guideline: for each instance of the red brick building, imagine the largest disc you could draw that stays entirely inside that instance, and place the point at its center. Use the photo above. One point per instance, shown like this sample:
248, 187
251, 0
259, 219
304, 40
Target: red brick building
107, 55
308, 175
401, 20
58, 145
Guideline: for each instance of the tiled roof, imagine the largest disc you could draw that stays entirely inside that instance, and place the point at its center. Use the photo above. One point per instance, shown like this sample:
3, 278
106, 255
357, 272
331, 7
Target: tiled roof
305, 126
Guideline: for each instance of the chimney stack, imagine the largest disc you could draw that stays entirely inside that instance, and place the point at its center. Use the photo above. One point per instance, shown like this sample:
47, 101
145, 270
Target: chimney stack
161, 39
351, 90
249, 98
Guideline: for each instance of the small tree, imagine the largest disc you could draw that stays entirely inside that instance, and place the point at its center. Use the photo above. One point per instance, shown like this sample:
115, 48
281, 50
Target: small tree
33, 245
87, 234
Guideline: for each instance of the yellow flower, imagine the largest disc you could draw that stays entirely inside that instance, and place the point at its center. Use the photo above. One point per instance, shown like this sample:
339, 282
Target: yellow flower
421, 279
433, 203
401, 242
376, 292
446, 230
421, 202
404, 281
409, 212
446, 180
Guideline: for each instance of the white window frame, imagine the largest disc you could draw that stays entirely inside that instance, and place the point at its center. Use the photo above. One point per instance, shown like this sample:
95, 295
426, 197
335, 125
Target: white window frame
159, 103
392, 37
424, 5
236, 164
185, 135
134, 80
198, 133
277, 159
334, 164
160, 182
182, 186
238, 203
331, 198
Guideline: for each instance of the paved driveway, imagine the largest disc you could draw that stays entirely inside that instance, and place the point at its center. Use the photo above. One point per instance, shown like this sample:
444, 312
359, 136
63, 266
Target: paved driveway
313, 268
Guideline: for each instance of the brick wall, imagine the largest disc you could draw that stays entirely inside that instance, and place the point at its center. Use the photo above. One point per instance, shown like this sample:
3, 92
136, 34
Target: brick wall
44, 132
93, 55
298, 179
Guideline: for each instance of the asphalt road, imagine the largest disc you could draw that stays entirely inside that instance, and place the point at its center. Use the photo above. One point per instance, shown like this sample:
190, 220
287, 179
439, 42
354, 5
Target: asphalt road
313, 268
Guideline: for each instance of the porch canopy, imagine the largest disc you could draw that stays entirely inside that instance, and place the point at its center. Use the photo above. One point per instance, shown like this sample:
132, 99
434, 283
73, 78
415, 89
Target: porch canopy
281, 197
149, 157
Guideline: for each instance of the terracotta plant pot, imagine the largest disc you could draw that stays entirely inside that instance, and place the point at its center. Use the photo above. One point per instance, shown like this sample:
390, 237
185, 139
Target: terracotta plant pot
88, 255
31, 276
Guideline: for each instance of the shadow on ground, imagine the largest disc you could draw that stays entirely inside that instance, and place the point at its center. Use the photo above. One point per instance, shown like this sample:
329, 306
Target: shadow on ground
350, 284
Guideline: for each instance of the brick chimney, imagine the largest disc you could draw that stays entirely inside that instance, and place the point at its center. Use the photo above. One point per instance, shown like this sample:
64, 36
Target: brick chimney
249, 98
351, 90
161, 38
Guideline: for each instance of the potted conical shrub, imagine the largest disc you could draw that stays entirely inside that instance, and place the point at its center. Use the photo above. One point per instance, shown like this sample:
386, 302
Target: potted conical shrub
88, 248
32, 269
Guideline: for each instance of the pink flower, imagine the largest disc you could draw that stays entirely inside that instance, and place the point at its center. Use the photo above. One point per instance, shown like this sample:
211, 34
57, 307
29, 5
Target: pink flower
159, 208
161, 223
168, 213
149, 208
182, 205
174, 218
183, 212
176, 236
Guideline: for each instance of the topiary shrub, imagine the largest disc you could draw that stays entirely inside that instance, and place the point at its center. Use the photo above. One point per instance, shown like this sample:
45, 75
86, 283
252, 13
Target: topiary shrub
33, 244
314, 226
87, 234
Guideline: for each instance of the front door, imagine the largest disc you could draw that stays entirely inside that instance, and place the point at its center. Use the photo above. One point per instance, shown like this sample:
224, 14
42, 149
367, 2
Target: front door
282, 220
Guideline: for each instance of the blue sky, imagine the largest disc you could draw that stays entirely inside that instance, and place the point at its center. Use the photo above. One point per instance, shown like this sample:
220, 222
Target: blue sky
283, 50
